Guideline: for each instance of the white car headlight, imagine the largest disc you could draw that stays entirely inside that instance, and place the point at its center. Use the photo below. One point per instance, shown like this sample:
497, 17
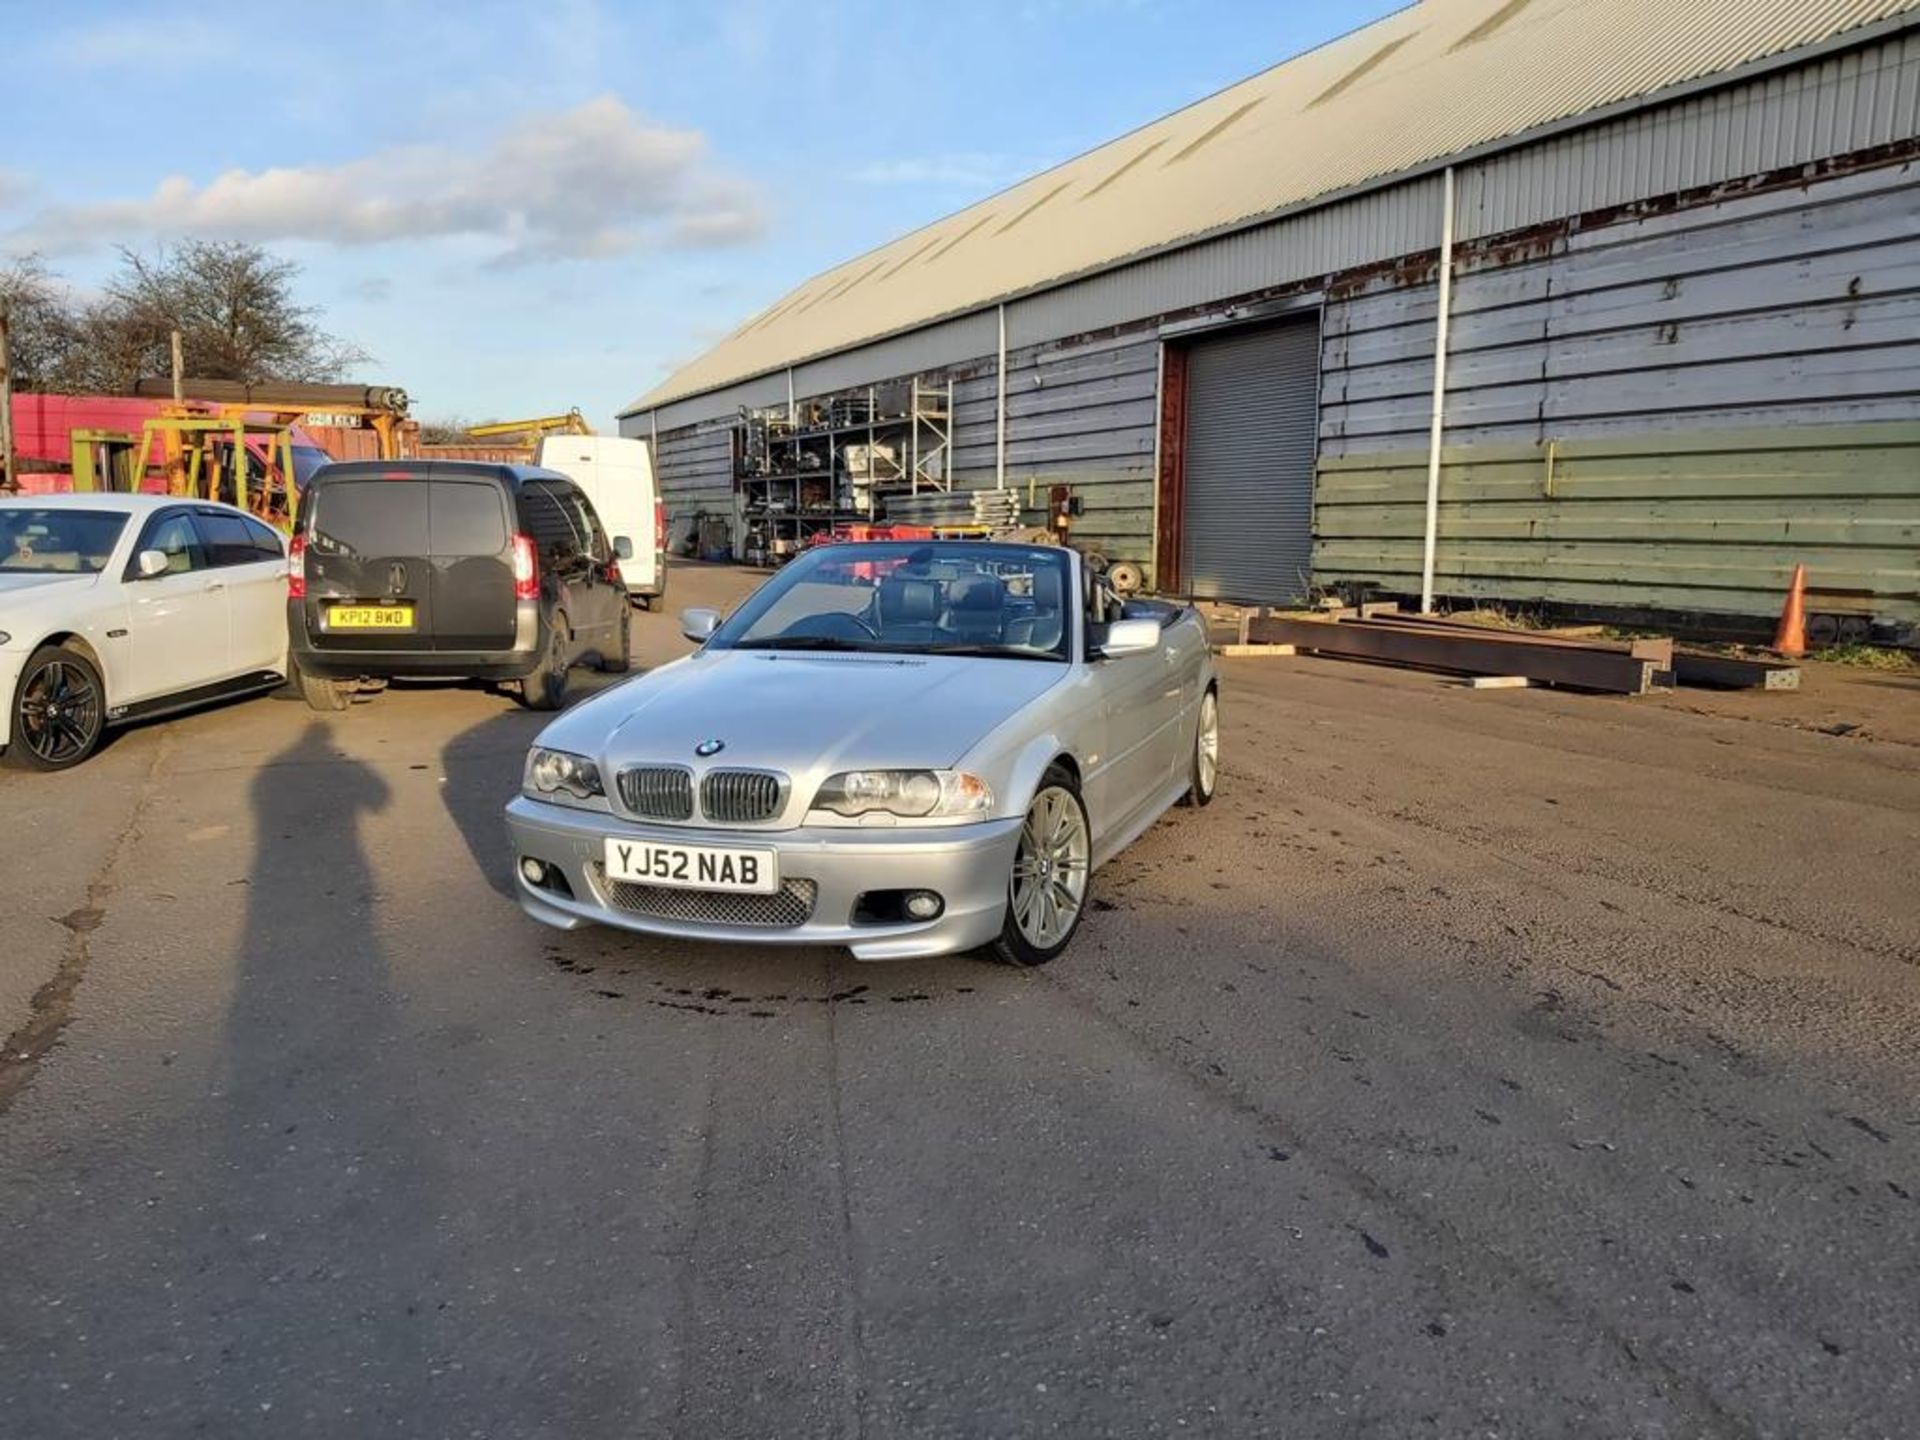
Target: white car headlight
913, 794
557, 775
5, 638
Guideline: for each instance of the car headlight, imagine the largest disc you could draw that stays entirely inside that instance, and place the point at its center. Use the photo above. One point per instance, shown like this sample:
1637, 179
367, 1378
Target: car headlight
915, 794
5, 638
557, 775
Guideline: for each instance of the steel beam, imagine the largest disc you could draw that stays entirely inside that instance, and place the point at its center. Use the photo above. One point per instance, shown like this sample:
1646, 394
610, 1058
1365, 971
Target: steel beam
1439, 648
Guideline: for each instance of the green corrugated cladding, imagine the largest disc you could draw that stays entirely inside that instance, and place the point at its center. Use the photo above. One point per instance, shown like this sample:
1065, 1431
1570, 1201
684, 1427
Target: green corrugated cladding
1709, 521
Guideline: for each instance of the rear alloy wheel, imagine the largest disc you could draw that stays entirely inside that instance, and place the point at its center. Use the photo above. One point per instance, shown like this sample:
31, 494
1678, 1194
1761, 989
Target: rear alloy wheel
1204, 773
59, 711
546, 687
1047, 890
619, 660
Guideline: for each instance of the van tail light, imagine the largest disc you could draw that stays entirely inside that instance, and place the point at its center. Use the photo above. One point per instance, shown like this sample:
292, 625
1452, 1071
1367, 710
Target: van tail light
526, 569
660, 527
297, 568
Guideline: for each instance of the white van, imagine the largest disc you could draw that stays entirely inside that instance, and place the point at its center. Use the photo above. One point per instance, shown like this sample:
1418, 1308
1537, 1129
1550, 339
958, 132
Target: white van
618, 477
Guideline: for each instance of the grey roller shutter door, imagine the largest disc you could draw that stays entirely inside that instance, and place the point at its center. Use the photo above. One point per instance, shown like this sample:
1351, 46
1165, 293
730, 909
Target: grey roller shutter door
1252, 426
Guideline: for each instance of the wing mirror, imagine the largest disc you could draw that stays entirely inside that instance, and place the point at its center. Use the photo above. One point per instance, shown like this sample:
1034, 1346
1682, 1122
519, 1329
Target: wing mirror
1130, 637
622, 548
698, 625
151, 563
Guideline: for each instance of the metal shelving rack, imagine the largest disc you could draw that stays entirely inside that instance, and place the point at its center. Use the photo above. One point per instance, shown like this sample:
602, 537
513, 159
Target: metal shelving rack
807, 467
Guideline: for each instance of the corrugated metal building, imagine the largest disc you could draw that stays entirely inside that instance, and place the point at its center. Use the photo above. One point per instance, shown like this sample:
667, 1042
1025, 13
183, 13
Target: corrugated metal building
1681, 317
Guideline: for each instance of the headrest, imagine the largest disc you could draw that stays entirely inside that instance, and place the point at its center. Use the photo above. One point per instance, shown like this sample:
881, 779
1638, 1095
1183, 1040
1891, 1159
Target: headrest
1049, 590
978, 591
908, 601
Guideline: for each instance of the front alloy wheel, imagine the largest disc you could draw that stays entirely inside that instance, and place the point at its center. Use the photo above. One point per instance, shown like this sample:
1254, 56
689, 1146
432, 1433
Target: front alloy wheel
1204, 772
59, 711
1047, 890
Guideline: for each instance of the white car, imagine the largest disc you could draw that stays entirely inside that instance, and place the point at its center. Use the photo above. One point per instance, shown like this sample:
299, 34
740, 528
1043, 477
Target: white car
119, 607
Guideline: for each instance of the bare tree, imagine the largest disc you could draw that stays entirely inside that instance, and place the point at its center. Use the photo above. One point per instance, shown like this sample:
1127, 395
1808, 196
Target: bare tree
234, 306
447, 430
232, 302
43, 324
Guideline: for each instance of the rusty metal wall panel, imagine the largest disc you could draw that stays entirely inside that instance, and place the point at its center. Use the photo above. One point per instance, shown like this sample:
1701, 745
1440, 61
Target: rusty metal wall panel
937, 347
1362, 231
1663, 410
1085, 416
1835, 106
1790, 306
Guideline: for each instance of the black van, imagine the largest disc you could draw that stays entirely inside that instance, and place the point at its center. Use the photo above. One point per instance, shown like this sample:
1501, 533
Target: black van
451, 568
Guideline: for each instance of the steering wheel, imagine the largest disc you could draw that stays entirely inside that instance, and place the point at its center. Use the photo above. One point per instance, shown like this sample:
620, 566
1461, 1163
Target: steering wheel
832, 625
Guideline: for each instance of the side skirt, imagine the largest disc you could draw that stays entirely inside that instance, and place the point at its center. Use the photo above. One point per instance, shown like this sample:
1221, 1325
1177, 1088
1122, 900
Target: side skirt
1143, 821
200, 695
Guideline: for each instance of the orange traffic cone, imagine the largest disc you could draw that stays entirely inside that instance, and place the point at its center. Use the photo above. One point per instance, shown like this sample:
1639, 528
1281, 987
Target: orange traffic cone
1791, 638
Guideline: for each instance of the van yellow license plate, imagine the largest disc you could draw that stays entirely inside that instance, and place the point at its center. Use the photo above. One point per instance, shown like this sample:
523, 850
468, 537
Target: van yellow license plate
370, 617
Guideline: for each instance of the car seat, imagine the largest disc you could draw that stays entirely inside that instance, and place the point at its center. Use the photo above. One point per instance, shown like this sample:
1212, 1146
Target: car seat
908, 610
976, 608
1041, 630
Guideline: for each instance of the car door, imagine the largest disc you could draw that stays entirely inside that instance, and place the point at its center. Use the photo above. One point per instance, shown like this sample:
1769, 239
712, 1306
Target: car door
564, 559
248, 557
604, 574
177, 625
1140, 702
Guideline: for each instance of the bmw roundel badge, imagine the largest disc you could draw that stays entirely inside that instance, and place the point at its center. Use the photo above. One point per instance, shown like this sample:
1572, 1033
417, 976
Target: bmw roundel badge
709, 747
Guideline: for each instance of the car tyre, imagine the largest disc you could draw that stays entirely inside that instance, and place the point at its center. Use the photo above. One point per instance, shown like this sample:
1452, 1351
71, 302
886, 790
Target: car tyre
59, 711
1052, 868
1203, 769
619, 660
326, 695
546, 687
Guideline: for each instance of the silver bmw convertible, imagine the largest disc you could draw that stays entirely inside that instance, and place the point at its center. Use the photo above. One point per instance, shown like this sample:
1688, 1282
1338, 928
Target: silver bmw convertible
903, 748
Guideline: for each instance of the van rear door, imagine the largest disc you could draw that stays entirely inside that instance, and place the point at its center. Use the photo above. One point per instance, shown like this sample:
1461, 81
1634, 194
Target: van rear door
472, 547
369, 575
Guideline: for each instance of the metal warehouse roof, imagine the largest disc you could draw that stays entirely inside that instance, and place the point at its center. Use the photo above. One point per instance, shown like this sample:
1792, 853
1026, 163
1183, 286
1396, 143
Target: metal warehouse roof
1433, 80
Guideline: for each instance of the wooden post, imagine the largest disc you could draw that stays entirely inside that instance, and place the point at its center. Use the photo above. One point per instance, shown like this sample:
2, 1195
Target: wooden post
179, 372
7, 480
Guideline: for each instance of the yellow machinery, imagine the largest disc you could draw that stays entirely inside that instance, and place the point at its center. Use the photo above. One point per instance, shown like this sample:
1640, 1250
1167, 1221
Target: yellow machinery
571, 423
231, 453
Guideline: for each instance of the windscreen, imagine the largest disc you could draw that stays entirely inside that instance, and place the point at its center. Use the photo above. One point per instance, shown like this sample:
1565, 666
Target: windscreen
306, 460
78, 542
1000, 601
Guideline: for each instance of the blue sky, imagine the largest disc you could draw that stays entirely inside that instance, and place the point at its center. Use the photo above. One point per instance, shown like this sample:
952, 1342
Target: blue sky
517, 208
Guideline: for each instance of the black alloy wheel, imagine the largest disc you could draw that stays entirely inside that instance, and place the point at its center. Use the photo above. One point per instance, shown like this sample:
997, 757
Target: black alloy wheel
59, 711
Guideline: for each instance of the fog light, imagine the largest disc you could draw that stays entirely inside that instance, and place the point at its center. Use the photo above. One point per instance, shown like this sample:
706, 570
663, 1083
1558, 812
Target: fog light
924, 904
533, 871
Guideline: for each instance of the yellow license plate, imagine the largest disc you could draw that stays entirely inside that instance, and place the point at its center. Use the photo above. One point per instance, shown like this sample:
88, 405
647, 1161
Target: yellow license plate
369, 617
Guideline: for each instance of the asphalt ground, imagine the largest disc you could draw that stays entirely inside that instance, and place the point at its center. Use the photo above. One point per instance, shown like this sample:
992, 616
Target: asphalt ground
1507, 1063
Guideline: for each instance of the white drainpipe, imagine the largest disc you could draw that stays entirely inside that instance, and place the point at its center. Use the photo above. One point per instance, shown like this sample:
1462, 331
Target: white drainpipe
1439, 390
1000, 409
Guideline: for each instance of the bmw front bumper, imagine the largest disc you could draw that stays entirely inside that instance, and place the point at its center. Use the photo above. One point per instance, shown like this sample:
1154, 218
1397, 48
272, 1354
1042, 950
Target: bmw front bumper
967, 865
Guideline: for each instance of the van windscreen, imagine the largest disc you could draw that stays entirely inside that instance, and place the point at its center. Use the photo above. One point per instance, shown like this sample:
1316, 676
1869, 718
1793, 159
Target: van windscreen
366, 518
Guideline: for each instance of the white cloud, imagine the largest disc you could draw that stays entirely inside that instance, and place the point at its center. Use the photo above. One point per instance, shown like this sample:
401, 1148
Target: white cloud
586, 183
139, 42
962, 169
